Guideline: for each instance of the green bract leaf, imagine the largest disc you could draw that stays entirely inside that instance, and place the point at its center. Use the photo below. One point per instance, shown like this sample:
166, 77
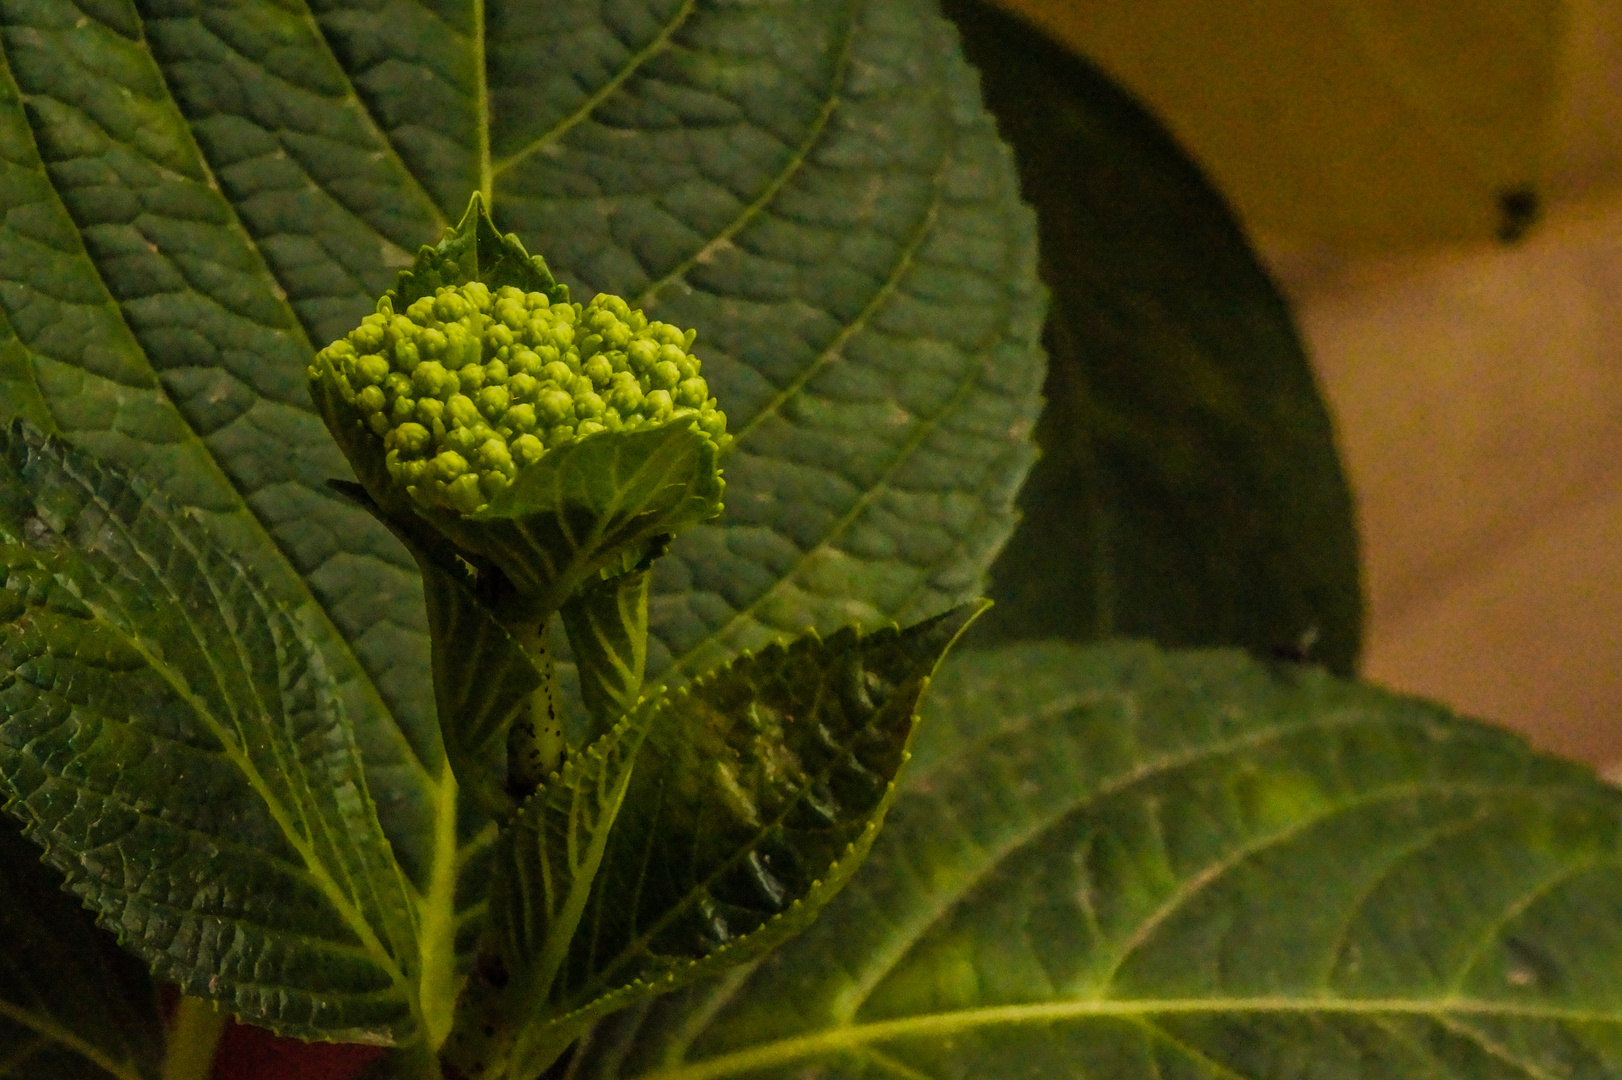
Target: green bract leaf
483, 681
586, 503
476, 251
171, 736
1189, 489
1115, 862
72, 1006
607, 621
755, 793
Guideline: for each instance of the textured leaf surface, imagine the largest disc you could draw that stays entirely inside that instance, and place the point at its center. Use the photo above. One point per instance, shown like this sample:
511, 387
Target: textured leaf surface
1113, 861
607, 622
199, 193
1189, 489
815, 188
192, 199
755, 794
587, 503
72, 1006
171, 736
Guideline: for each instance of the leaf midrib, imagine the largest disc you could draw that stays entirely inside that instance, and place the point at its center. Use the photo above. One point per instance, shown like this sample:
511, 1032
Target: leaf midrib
887, 960
953, 1022
589, 106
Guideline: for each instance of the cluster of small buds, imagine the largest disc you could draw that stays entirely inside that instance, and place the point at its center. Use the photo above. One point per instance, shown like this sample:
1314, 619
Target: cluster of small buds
468, 386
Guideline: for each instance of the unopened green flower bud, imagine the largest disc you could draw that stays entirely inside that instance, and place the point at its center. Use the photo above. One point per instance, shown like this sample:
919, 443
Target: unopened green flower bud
465, 385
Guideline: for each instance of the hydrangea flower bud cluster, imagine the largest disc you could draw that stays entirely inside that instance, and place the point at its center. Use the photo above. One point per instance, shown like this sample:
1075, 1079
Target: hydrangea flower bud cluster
468, 386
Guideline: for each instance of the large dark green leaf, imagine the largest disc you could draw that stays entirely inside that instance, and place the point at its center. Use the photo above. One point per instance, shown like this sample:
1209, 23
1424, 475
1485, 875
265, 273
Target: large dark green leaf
72, 1006
198, 193
173, 738
1189, 490
709, 826
1115, 862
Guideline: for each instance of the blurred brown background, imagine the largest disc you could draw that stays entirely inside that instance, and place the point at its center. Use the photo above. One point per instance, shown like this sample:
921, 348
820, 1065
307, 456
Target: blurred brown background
1388, 158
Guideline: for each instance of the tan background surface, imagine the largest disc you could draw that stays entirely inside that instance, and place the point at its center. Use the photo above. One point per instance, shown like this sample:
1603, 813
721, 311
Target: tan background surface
1477, 387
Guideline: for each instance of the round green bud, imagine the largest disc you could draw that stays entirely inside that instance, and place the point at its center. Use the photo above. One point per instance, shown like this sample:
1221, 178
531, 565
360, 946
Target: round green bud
642, 354
521, 418
523, 388
470, 377
371, 400
692, 393
599, 369
657, 405
492, 402
624, 394
527, 450
461, 412
411, 440
524, 362
664, 375
428, 378
448, 465
369, 370
493, 454
553, 407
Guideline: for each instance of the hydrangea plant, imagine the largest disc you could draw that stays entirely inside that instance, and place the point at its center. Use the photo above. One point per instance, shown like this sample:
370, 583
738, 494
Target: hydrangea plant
379, 666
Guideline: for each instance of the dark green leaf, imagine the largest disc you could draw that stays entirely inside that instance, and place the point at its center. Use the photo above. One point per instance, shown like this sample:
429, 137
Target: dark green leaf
754, 797
169, 733
815, 188
72, 1006
171, 249
1115, 862
607, 621
198, 194
1189, 489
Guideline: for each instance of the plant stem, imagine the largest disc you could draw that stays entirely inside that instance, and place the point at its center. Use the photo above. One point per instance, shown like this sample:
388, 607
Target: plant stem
193, 1037
415, 1062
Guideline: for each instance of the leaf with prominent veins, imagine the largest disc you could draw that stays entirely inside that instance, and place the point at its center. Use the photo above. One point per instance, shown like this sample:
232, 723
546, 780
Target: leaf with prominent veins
1119, 862
199, 193
170, 734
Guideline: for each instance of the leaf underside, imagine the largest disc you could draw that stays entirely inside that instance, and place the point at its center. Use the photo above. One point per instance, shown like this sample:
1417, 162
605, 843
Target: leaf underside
1118, 862
172, 738
72, 1006
198, 195
1189, 489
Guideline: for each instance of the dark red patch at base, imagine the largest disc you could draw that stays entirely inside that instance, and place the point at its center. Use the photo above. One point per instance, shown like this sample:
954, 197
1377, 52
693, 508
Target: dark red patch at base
250, 1053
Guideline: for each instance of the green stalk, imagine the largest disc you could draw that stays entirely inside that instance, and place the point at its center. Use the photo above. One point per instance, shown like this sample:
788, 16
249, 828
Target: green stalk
193, 1039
